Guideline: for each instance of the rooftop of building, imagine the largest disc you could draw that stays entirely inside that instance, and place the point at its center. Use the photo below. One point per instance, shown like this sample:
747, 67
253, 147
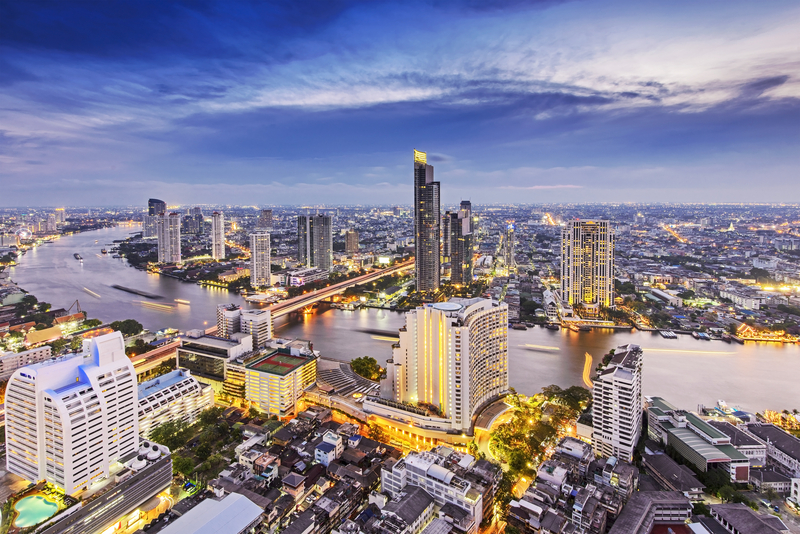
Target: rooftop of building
784, 441
743, 519
680, 477
409, 504
627, 356
231, 514
277, 363
711, 453
640, 503
151, 387
702, 426
209, 341
738, 437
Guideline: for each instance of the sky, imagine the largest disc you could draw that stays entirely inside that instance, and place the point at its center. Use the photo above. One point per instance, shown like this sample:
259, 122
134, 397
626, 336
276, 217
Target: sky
323, 102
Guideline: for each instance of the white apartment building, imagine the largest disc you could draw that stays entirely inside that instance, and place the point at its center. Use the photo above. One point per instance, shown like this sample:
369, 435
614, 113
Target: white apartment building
256, 323
229, 319
218, 235
452, 355
587, 264
11, 361
174, 396
168, 231
429, 471
618, 404
69, 418
260, 262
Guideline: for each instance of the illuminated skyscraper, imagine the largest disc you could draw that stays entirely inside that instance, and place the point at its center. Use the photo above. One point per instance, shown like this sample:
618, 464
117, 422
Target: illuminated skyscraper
587, 265
156, 207
509, 246
452, 355
260, 262
168, 230
265, 220
461, 236
427, 224
351, 242
218, 235
69, 419
315, 241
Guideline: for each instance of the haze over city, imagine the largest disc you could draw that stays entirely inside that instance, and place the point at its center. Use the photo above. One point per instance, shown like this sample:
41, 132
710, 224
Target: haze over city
291, 103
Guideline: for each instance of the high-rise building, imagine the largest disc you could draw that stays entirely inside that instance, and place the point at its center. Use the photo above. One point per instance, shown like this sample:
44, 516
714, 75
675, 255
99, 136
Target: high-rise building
69, 419
458, 243
617, 411
427, 224
61, 215
50, 225
260, 261
587, 265
228, 320
315, 241
156, 207
256, 323
265, 220
351, 242
509, 247
447, 234
452, 355
168, 230
218, 235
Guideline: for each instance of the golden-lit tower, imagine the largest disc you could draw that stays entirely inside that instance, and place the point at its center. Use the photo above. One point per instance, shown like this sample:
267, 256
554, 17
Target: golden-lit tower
587, 265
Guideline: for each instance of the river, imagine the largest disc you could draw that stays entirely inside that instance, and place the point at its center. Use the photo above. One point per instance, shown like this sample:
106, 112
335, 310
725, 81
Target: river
685, 371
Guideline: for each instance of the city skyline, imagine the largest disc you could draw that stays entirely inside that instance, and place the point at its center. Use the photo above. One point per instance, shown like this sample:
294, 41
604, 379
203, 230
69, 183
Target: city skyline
525, 102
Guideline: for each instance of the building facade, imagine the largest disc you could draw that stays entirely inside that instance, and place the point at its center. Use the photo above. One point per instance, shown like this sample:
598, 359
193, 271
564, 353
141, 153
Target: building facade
427, 224
275, 381
11, 361
168, 230
351, 242
265, 220
315, 241
617, 412
587, 264
229, 320
174, 396
256, 323
451, 355
69, 419
260, 261
218, 235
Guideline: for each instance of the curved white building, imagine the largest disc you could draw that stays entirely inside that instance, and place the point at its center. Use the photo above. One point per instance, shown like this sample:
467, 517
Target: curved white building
69, 418
452, 356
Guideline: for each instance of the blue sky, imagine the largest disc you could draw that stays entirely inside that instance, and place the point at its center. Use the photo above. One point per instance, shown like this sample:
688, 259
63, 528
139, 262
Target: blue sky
109, 103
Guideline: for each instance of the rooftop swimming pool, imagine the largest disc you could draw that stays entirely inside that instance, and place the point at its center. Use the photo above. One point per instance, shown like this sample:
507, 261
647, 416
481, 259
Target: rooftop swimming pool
33, 510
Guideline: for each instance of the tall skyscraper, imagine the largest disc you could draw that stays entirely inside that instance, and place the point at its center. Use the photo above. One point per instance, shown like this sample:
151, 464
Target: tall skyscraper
587, 265
168, 230
509, 246
265, 220
458, 243
617, 409
351, 242
451, 355
260, 262
315, 241
427, 224
228, 320
69, 419
61, 215
156, 207
218, 235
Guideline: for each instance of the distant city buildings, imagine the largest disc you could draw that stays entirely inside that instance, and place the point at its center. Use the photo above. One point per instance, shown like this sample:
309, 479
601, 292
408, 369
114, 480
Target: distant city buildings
351, 242
452, 356
587, 265
156, 207
69, 419
427, 224
168, 230
260, 260
617, 408
218, 235
315, 241
265, 220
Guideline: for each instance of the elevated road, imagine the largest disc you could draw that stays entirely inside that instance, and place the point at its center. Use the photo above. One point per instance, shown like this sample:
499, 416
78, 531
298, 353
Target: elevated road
301, 301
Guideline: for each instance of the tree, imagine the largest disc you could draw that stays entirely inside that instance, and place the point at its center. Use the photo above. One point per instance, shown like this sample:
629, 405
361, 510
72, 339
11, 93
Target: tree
182, 465
58, 345
700, 508
254, 412
377, 433
92, 323
128, 327
203, 451
210, 416
726, 493
367, 367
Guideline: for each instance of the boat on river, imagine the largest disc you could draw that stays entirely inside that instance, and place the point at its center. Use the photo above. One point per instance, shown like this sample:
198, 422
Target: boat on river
78, 257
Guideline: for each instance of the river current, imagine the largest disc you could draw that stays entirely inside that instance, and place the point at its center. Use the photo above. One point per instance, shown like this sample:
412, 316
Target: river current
687, 372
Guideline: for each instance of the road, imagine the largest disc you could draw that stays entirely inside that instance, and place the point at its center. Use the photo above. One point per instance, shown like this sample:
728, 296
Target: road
301, 301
